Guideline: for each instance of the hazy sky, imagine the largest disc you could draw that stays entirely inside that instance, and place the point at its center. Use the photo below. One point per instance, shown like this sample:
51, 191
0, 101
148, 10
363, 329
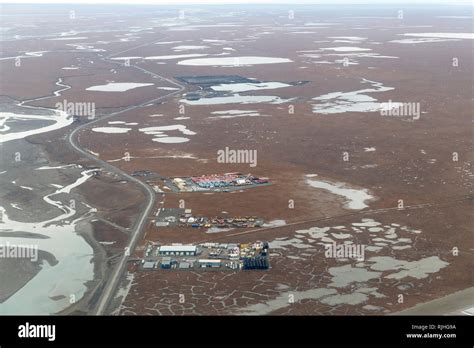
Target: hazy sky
178, 2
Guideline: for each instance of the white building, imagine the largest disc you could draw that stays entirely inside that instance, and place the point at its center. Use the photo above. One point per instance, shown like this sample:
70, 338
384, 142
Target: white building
188, 250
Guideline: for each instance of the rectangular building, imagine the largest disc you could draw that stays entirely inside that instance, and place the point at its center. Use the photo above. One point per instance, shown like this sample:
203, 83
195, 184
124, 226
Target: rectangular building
184, 250
166, 263
209, 263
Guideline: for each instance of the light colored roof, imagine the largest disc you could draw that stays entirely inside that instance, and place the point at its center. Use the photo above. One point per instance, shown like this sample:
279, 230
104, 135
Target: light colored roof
209, 261
171, 248
148, 264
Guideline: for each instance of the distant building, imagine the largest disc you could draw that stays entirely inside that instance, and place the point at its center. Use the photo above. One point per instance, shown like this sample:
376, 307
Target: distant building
180, 184
149, 265
241, 181
166, 263
184, 265
170, 218
209, 263
188, 250
257, 262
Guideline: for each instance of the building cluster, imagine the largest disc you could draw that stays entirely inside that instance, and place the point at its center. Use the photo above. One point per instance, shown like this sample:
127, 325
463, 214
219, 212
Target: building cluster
218, 182
232, 256
172, 217
221, 222
143, 173
224, 180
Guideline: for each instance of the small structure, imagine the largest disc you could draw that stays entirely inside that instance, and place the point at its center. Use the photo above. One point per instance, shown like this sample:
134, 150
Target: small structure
209, 263
184, 265
170, 218
241, 181
257, 262
149, 265
142, 173
166, 263
180, 184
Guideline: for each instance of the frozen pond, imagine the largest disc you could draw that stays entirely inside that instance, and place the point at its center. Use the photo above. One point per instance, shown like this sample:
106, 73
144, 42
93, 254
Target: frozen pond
225, 90
235, 113
124, 123
349, 38
59, 120
188, 47
354, 279
275, 223
237, 99
27, 55
346, 49
245, 87
234, 61
356, 199
111, 130
355, 101
68, 38
118, 86
418, 269
168, 88
161, 136
50, 290
176, 56
281, 301
422, 40
443, 35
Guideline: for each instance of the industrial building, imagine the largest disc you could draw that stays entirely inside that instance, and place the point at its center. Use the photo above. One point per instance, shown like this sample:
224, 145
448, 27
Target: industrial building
184, 265
180, 217
209, 263
178, 250
257, 262
215, 182
209, 255
166, 263
149, 265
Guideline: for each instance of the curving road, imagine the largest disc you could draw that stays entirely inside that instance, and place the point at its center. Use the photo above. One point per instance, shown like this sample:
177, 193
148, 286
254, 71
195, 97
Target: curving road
113, 280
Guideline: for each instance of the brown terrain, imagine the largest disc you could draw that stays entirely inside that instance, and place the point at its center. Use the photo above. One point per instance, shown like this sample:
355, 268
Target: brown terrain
421, 251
